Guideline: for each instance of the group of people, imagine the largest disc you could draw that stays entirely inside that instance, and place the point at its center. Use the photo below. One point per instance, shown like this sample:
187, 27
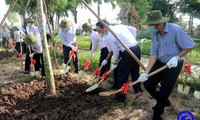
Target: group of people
170, 43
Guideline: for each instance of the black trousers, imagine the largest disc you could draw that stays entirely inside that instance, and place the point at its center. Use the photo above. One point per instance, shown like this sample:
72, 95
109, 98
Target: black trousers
168, 79
66, 51
39, 64
4, 42
103, 55
17, 47
126, 66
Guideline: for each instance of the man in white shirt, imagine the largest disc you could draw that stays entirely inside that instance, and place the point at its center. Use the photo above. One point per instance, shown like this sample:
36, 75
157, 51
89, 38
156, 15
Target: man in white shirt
6, 37
19, 37
97, 42
36, 48
67, 35
127, 64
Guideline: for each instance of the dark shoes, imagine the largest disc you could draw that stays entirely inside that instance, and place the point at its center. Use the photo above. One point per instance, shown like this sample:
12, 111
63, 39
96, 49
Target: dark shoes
25, 72
120, 98
167, 104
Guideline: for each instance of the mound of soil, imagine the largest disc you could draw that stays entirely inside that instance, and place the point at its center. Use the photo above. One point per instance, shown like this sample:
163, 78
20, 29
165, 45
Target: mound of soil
6, 54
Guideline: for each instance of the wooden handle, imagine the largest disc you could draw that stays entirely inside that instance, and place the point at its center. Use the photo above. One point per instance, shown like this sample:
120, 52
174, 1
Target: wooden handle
127, 49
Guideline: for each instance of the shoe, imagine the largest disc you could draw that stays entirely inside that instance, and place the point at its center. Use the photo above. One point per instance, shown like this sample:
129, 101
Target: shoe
167, 104
43, 78
120, 98
26, 72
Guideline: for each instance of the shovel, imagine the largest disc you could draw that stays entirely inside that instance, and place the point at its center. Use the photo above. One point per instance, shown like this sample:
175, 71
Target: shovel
108, 93
64, 67
96, 85
32, 73
81, 73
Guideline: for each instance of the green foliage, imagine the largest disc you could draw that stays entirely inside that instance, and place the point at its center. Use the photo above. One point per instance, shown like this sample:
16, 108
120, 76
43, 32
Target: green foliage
196, 82
144, 34
83, 42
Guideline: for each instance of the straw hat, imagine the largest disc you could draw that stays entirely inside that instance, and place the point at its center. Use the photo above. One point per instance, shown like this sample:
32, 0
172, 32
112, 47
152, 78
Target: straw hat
29, 20
85, 26
65, 23
30, 39
155, 17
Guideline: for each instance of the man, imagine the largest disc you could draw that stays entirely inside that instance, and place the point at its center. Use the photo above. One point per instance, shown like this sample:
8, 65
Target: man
67, 35
19, 36
33, 40
170, 43
6, 37
97, 42
48, 35
127, 64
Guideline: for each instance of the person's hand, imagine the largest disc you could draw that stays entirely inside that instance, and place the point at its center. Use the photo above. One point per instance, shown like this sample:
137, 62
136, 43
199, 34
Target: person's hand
73, 48
91, 55
173, 62
31, 55
143, 77
104, 62
113, 66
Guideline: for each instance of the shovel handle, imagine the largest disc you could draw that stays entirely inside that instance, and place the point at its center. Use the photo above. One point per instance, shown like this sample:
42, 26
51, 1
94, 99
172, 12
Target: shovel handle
31, 58
69, 60
133, 83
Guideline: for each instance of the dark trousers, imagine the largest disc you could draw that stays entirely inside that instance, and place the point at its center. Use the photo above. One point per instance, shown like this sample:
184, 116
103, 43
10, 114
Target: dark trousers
17, 47
104, 53
4, 42
168, 79
66, 51
48, 38
39, 64
126, 66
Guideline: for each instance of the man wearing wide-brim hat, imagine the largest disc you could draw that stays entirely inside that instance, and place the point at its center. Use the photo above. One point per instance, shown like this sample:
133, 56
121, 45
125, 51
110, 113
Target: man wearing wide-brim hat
170, 43
67, 34
33, 40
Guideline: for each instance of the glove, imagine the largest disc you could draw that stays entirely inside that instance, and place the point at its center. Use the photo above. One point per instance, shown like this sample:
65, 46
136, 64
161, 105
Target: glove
31, 55
104, 62
143, 77
113, 66
91, 55
173, 62
73, 48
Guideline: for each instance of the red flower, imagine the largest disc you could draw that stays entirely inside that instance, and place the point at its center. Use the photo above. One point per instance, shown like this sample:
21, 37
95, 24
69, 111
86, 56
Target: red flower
61, 47
20, 55
87, 64
104, 76
187, 68
72, 54
97, 71
125, 88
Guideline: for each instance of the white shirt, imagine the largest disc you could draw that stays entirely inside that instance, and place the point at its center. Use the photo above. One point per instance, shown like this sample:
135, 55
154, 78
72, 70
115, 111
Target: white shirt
47, 28
18, 36
68, 37
97, 41
124, 35
6, 33
37, 46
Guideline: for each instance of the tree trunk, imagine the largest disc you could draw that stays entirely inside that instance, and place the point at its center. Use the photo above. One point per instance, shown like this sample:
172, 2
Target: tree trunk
47, 62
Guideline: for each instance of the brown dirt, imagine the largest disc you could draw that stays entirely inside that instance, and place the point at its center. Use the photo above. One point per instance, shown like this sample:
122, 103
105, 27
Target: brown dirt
29, 101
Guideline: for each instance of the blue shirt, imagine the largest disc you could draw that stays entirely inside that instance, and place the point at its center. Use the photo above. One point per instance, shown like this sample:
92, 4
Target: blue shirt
171, 43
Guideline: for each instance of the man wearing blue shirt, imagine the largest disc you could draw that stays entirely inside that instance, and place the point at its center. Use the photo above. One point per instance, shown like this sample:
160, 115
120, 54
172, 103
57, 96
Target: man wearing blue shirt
170, 43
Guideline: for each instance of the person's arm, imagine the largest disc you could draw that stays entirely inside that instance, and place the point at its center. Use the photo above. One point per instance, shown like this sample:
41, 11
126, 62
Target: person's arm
94, 40
152, 60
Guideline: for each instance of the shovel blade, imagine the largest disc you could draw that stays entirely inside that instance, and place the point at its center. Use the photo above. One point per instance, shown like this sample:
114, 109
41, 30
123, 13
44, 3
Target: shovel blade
32, 74
81, 74
108, 93
93, 87
63, 66
67, 69
37, 74
20, 67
